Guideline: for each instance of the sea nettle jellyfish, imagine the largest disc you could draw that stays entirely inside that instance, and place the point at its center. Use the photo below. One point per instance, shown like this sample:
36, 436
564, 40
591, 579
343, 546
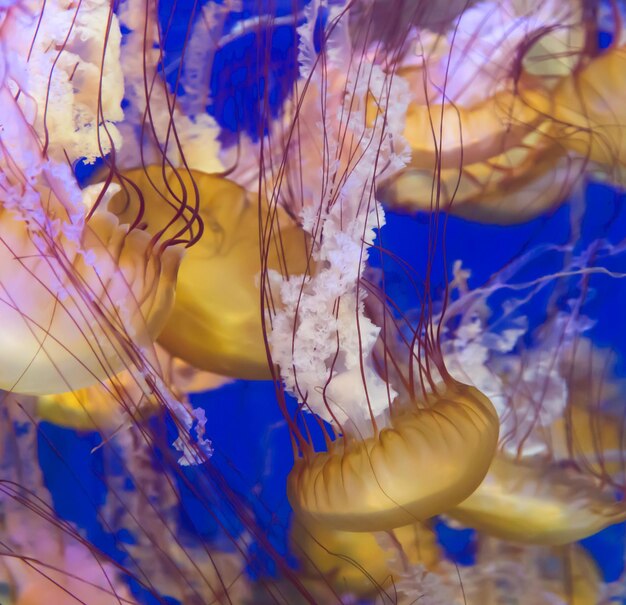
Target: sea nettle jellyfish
587, 117
83, 294
560, 462
398, 457
558, 474
216, 323
116, 301
360, 563
479, 124
356, 362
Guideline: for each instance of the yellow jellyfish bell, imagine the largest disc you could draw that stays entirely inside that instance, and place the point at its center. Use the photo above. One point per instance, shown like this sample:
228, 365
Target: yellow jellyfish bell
217, 321
478, 147
359, 562
80, 294
589, 112
594, 440
534, 502
425, 462
511, 187
494, 161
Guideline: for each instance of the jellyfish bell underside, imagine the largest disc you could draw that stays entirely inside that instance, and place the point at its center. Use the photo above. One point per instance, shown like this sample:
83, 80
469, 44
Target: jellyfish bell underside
517, 142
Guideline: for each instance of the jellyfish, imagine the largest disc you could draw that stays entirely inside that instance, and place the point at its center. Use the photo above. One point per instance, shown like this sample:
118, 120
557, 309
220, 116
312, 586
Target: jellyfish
216, 322
478, 146
407, 434
322, 340
545, 575
587, 119
538, 503
357, 563
110, 405
85, 296
365, 378
559, 463
81, 291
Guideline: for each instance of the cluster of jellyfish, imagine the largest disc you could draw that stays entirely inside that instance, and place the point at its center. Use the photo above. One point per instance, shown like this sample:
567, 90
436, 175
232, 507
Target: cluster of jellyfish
312, 302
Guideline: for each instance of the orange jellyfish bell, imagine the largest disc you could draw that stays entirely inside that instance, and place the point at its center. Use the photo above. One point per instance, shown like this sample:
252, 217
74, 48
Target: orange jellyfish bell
64, 297
589, 116
554, 478
113, 403
534, 502
216, 323
413, 469
82, 295
478, 147
403, 451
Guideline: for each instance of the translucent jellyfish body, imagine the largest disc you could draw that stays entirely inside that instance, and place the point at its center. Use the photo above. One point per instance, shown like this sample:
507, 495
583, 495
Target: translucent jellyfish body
559, 466
74, 291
